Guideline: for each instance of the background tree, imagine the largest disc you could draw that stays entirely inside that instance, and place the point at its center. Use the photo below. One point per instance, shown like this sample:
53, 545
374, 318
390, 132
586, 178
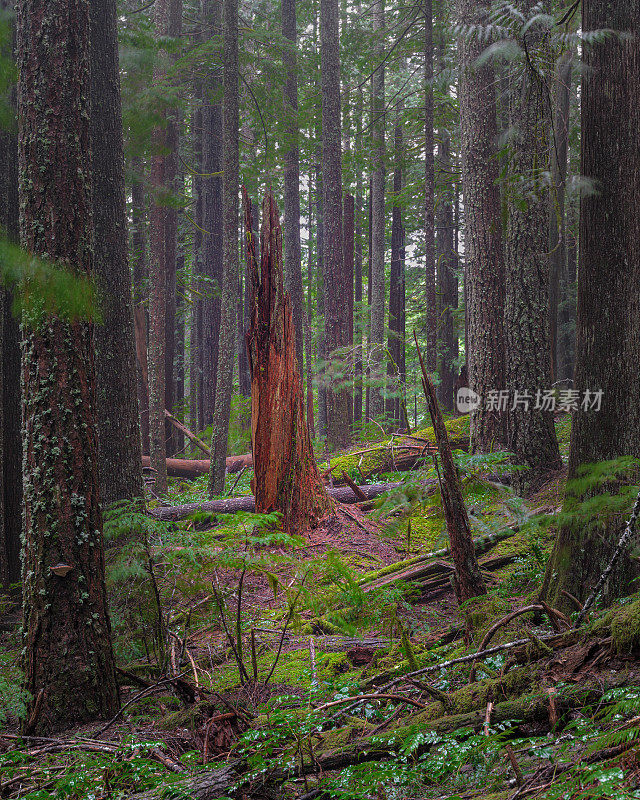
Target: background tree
230, 188
69, 669
120, 455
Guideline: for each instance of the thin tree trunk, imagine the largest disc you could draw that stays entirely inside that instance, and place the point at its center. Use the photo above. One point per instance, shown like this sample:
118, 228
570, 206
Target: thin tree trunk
395, 368
195, 341
286, 478
140, 275
291, 157
429, 191
347, 282
69, 668
117, 391
447, 296
358, 330
378, 221
212, 216
557, 219
230, 188
483, 250
608, 343
180, 355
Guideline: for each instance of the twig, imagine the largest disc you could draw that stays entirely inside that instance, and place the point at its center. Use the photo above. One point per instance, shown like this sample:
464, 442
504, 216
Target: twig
284, 630
377, 696
241, 668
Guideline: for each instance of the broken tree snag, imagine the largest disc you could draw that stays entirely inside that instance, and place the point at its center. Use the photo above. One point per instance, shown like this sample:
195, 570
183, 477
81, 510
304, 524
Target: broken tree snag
467, 579
286, 478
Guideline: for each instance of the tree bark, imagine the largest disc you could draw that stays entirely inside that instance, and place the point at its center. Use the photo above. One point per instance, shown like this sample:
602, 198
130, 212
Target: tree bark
117, 394
195, 341
358, 259
447, 280
429, 191
230, 188
286, 478
396, 365
608, 344
557, 219
10, 413
291, 157
483, 252
158, 278
69, 668
336, 321
212, 217
531, 432
140, 275
378, 221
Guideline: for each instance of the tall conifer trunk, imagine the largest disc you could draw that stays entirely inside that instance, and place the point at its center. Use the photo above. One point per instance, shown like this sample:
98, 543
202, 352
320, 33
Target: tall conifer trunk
69, 668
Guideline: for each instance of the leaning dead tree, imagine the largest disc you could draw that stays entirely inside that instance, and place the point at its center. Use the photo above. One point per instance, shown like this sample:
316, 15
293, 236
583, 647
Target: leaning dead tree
286, 478
467, 580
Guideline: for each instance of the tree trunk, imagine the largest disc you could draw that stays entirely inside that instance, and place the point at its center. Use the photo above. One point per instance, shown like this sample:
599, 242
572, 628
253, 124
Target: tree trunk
117, 392
140, 275
358, 328
532, 436
212, 218
158, 278
429, 190
378, 221
230, 188
286, 478
336, 321
608, 345
10, 414
195, 347
69, 668
291, 157
396, 364
347, 283
483, 250
557, 219
447, 280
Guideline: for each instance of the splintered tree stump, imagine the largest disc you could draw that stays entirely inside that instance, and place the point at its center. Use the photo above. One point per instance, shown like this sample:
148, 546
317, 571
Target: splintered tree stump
286, 478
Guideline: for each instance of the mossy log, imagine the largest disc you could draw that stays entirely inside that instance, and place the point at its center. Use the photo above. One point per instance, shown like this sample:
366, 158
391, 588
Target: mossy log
343, 494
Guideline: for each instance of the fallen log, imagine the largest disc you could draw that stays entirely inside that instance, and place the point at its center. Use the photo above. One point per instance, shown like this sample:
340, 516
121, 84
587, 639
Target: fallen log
190, 469
399, 458
343, 494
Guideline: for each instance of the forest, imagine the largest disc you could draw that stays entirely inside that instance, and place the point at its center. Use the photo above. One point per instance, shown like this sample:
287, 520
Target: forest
319, 399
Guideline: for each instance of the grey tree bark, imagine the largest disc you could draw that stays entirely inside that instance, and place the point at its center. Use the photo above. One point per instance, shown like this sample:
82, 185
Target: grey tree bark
212, 212
483, 251
378, 221
608, 343
230, 189
531, 431
429, 191
120, 454
336, 322
291, 157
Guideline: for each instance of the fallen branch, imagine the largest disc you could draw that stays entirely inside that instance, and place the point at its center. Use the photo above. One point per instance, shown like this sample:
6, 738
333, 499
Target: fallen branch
189, 434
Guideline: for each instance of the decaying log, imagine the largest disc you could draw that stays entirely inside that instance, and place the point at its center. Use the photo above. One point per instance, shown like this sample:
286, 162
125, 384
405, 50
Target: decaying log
468, 581
343, 494
190, 469
286, 477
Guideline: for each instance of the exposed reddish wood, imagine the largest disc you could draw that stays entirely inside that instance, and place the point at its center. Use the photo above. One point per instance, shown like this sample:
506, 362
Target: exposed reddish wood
468, 580
356, 489
286, 477
341, 494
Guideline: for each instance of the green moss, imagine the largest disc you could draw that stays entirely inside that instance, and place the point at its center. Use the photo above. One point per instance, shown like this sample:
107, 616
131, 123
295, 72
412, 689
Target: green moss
481, 614
625, 628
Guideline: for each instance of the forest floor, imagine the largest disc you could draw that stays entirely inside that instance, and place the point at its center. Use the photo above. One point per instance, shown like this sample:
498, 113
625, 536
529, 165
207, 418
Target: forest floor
336, 664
